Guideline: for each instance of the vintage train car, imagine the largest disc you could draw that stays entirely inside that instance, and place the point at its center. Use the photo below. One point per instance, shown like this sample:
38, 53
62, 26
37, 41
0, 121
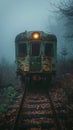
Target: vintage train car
36, 55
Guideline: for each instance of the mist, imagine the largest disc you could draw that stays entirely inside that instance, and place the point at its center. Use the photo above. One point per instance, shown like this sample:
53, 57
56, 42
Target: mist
43, 88
17, 16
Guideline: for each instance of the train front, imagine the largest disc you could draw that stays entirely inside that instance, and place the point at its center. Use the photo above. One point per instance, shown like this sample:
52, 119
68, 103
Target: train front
36, 55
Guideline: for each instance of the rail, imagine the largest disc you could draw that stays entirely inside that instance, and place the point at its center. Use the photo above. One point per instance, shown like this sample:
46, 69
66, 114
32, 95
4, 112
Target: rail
34, 112
19, 110
57, 121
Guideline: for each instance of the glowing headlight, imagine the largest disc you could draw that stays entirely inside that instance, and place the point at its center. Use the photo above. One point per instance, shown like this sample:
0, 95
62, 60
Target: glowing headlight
36, 35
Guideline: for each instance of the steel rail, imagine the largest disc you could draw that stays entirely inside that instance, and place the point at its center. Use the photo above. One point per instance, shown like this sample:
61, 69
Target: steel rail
19, 110
56, 118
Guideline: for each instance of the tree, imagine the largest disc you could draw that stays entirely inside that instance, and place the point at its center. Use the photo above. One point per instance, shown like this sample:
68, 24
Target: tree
7, 72
66, 9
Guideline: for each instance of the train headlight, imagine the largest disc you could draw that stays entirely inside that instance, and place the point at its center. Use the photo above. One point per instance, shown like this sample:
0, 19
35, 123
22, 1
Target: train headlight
36, 35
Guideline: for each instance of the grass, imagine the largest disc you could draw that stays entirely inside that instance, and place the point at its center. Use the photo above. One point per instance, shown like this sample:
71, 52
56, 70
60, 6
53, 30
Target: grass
7, 97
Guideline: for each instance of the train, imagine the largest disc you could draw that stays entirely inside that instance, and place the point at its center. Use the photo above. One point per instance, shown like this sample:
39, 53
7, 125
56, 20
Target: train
36, 56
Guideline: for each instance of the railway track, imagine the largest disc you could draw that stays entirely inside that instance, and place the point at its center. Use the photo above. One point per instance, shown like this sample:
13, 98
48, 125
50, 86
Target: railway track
38, 112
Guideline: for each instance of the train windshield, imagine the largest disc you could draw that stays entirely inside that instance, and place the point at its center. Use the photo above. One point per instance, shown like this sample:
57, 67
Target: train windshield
35, 49
22, 50
48, 49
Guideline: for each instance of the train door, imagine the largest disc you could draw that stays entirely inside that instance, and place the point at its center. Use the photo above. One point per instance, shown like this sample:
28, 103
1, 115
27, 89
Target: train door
35, 64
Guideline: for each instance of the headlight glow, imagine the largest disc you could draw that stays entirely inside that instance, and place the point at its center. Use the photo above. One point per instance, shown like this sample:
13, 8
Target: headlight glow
36, 35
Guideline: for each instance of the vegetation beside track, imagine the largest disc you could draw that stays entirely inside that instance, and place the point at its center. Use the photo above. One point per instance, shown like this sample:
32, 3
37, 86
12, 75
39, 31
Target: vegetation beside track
63, 91
6, 98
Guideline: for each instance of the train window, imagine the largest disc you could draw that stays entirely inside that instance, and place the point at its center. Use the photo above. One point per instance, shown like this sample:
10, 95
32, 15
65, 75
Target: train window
22, 50
48, 49
35, 49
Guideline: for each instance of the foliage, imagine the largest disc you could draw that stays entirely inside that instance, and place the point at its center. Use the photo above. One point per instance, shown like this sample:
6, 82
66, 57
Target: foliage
3, 108
11, 93
7, 72
8, 94
64, 65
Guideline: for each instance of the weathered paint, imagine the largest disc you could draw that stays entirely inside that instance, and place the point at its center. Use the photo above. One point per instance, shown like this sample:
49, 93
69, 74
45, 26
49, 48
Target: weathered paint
36, 63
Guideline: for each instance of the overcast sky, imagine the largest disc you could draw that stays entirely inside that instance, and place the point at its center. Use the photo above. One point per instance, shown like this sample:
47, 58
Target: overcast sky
19, 15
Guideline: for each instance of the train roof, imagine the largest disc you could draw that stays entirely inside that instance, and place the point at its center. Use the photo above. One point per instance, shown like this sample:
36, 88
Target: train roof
24, 36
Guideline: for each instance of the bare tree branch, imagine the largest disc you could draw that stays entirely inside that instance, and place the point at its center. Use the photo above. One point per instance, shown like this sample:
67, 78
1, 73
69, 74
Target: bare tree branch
65, 10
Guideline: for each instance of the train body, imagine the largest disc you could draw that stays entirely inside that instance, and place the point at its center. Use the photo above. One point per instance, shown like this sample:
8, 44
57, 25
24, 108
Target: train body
36, 55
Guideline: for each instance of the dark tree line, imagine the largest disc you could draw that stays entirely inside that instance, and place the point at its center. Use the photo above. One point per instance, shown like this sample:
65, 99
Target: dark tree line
66, 10
7, 73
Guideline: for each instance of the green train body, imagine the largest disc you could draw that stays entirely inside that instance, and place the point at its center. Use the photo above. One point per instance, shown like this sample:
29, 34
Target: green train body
36, 55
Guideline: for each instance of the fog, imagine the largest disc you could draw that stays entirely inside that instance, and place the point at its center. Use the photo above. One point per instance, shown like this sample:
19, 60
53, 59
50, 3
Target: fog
17, 16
